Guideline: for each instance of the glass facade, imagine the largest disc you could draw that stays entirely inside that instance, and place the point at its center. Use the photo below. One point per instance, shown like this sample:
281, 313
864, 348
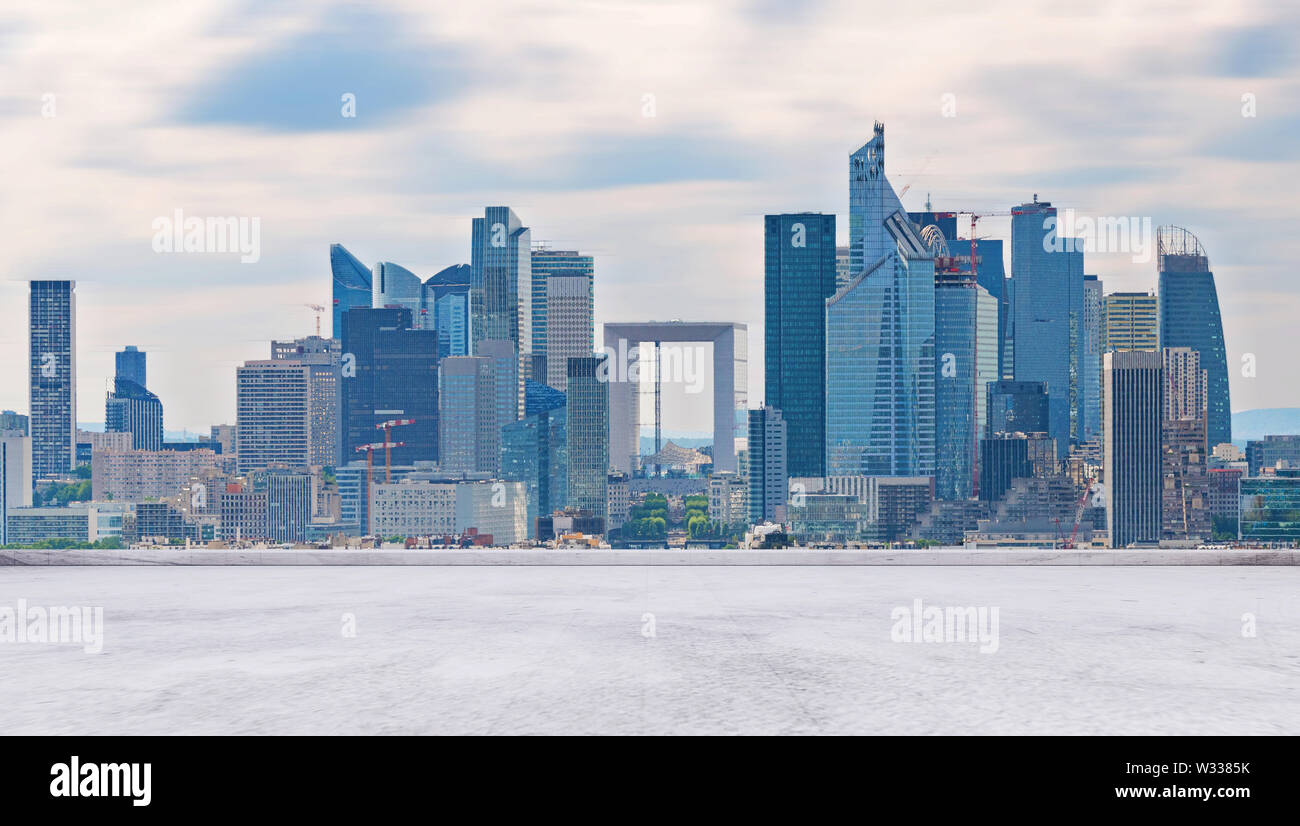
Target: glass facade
1189, 317
1270, 508
393, 374
965, 330
799, 275
587, 434
880, 362
1048, 317
132, 409
871, 202
570, 302
130, 365
351, 285
501, 287
534, 450
1091, 368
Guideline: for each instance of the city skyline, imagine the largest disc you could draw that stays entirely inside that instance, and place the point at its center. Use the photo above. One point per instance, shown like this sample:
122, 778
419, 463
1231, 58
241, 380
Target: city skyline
597, 174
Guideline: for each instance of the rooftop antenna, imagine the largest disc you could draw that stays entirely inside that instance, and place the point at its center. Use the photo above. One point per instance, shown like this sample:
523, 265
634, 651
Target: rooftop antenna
928, 208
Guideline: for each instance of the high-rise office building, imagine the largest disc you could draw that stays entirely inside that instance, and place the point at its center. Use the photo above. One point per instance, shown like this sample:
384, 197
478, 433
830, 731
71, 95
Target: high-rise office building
273, 415
966, 363
1132, 446
501, 287
871, 202
395, 287
1131, 321
799, 276
130, 365
1048, 316
351, 285
477, 399
446, 301
389, 371
323, 359
880, 362
587, 434
15, 476
1005, 457
1090, 367
1189, 317
1185, 508
564, 295
53, 378
769, 477
534, 450
1269, 506
130, 408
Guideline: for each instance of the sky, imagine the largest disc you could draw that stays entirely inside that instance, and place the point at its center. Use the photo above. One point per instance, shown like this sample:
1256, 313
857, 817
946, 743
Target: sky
653, 135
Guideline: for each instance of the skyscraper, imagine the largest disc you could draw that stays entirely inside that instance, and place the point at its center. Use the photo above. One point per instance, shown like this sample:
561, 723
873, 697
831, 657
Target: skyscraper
389, 371
477, 399
501, 287
273, 415
288, 505
966, 355
1048, 316
130, 408
53, 377
1131, 321
130, 365
799, 276
769, 478
1189, 317
563, 323
394, 286
1185, 483
323, 359
1132, 446
587, 434
534, 450
446, 300
351, 285
880, 361
563, 312
1090, 368
871, 201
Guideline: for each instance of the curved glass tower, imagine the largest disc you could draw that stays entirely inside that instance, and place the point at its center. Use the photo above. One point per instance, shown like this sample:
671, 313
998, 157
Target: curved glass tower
1189, 317
351, 285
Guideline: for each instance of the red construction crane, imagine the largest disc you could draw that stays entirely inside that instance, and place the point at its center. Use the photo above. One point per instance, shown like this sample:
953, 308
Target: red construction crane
388, 444
1078, 513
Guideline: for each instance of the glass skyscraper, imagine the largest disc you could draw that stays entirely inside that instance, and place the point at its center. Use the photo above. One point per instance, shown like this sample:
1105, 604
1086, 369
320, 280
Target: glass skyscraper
1189, 317
966, 362
564, 296
880, 362
446, 301
351, 288
799, 276
534, 450
53, 378
1092, 352
501, 286
1048, 317
393, 374
587, 434
130, 365
871, 201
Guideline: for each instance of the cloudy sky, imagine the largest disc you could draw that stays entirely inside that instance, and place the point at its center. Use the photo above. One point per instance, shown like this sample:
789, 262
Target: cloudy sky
113, 114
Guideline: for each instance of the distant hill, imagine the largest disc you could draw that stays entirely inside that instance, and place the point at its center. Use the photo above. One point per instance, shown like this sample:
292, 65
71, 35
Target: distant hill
1256, 424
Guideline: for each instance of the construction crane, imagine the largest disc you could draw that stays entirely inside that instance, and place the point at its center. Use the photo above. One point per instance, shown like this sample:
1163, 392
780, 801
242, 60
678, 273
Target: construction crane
319, 309
388, 444
1078, 514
